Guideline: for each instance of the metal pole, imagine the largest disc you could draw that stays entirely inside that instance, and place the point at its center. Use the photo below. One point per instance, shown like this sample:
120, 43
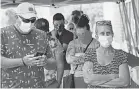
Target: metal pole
130, 32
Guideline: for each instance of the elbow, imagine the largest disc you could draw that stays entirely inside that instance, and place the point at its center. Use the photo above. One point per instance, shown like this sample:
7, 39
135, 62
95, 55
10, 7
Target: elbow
68, 59
125, 82
87, 80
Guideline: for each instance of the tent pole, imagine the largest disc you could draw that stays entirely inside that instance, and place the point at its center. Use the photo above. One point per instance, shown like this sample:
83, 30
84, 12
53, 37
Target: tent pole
136, 17
124, 29
126, 25
132, 39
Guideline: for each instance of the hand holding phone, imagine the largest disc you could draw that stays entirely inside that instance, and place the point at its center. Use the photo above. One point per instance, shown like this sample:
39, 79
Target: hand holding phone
41, 60
39, 54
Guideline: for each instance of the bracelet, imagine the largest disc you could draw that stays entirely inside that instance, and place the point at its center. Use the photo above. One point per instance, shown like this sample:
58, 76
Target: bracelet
23, 62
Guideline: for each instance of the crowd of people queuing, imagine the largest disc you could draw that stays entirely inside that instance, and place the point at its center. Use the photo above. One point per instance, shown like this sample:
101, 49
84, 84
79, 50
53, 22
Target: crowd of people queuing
32, 56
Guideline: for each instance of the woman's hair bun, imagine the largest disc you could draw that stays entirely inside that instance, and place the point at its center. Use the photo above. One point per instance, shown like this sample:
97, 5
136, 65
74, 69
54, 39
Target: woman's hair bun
83, 21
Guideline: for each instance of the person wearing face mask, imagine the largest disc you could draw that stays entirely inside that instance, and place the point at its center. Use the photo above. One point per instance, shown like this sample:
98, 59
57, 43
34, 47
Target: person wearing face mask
75, 53
64, 37
108, 66
21, 67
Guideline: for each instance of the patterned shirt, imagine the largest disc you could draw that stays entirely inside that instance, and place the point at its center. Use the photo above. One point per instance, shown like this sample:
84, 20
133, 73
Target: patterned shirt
120, 57
16, 45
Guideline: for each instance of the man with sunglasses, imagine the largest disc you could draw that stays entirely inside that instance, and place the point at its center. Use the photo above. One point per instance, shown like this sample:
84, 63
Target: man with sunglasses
19, 44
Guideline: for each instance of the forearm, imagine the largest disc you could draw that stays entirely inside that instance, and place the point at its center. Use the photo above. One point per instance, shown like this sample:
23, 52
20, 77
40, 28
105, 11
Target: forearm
60, 67
11, 63
60, 71
98, 77
93, 78
124, 77
75, 60
118, 82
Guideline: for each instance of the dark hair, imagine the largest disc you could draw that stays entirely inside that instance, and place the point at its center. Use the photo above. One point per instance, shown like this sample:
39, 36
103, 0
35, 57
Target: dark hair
83, 22
75, 19
76, 15
42, 24
58, 16
76, 12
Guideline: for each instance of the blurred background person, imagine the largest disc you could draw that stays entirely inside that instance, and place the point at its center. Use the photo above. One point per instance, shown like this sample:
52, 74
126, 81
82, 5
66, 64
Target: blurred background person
72, 28
42, 24
9, 18
64, 36
75, 16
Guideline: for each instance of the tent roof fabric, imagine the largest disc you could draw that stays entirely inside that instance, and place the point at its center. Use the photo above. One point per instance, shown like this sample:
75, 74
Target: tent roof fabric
12, 3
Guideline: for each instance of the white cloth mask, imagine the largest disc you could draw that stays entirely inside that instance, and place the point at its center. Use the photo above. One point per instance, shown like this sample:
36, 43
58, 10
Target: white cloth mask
25, 27
105, 41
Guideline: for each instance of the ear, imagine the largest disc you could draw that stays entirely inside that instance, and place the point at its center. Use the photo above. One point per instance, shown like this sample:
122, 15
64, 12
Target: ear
18, 22
65, 22
96, 36
112, 35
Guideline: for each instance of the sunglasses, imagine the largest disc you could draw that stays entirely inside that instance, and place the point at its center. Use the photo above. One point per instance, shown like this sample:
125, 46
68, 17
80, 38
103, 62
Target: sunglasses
71, 28
32, 20
105, 22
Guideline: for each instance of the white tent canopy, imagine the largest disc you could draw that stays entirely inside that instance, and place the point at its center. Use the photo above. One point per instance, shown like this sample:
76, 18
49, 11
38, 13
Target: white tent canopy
12, 3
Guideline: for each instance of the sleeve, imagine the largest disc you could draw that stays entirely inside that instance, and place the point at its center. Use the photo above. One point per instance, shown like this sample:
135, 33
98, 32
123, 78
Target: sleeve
123, 57
132, 60
71, 48
48, 51
3, 44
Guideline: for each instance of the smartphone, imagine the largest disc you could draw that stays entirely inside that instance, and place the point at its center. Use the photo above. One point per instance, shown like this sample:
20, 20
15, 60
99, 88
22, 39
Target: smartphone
39, 54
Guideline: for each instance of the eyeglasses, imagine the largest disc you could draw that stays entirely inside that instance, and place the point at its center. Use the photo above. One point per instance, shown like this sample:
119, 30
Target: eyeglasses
32, 20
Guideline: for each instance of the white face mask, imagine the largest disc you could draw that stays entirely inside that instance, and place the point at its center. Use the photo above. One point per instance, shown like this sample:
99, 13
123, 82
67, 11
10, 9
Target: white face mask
25, 27
105, 41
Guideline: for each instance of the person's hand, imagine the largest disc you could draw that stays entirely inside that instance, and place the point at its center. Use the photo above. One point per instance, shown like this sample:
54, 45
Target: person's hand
54, 33
54, 84
135, 74
42, 61
30, 60
79, 54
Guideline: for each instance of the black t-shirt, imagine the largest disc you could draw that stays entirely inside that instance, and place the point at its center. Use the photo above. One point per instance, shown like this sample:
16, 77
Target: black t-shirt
65, 38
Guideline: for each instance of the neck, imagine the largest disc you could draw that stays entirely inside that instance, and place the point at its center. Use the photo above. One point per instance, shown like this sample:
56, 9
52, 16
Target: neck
105, 50
60, 32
